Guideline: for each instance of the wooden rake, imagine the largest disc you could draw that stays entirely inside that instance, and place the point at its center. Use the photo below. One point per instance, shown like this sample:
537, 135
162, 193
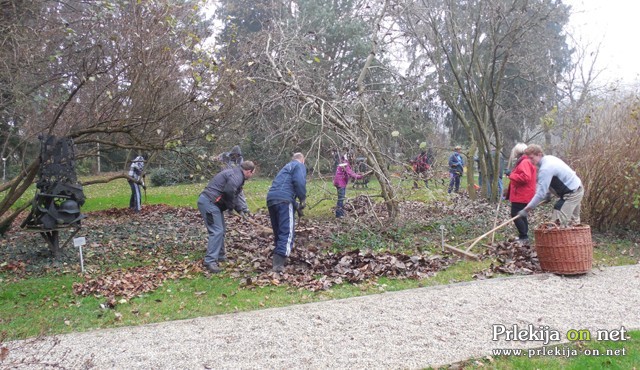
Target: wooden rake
261, 229
465, 252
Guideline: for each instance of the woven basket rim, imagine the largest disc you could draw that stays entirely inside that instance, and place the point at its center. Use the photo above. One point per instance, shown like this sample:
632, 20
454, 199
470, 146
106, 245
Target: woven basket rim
543, 229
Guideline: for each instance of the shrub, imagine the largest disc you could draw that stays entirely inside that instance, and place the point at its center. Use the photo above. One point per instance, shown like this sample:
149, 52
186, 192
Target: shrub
165, 176
85, 167
604, 152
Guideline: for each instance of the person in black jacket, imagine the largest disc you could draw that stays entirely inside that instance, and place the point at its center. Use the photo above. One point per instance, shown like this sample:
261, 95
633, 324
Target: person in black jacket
220, 194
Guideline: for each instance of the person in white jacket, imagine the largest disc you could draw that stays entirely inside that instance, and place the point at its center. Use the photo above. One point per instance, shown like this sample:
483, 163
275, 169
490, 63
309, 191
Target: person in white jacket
557, 178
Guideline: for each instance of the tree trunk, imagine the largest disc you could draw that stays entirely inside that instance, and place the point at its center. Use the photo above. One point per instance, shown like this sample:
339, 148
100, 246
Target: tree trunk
470, 171
20, 184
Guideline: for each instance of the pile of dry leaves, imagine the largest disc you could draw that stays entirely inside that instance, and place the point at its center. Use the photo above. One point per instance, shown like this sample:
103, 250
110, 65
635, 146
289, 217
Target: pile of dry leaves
510, 257
316, 271
131, 282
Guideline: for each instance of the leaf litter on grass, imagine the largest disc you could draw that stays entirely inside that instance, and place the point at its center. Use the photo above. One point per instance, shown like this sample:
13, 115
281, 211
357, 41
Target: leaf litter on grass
129, 253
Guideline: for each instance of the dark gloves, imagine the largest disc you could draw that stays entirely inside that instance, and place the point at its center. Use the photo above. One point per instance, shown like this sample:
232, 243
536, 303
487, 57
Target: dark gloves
303, 204
523, 213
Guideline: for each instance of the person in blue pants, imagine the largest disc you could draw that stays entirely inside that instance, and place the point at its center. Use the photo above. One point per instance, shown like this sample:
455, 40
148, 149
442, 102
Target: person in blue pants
288, 185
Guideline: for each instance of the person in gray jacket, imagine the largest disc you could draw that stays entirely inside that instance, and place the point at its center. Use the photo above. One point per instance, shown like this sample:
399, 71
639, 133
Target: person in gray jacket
555, 177
289, 184
232, 159
220, 194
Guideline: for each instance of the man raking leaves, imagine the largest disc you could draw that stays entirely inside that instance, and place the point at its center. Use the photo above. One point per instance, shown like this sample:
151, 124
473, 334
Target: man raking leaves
222, 193
555, 177
289, 184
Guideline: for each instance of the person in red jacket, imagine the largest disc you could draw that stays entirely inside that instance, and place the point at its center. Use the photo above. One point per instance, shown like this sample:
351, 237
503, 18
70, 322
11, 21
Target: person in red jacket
522, 187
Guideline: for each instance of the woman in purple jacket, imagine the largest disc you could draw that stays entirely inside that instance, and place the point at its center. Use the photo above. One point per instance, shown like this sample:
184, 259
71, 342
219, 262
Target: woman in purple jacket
340, 181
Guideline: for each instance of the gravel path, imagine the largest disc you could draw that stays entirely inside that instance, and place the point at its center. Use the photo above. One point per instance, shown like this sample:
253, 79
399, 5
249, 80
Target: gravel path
409, 329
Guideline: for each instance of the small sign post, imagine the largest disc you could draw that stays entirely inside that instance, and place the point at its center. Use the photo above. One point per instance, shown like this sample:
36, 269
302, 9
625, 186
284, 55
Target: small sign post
442, 236
78, 243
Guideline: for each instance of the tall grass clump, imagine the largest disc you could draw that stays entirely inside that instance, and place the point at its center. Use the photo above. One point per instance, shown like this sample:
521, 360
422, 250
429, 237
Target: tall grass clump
604, 149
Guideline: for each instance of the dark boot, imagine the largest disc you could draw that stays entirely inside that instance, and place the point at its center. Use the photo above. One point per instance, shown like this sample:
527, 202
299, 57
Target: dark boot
212, 267
278, 263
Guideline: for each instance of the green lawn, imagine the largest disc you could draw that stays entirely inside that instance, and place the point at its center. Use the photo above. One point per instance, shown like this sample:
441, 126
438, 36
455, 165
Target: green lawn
321, 194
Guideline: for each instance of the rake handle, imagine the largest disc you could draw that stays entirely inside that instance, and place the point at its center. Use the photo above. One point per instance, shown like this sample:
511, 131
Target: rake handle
495, 220
262, 227
490, 231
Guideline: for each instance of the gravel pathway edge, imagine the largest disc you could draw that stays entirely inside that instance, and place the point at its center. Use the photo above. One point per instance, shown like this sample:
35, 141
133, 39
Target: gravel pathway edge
413, 329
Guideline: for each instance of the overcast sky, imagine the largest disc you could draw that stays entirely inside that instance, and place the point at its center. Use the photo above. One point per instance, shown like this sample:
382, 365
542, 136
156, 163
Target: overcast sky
614, 23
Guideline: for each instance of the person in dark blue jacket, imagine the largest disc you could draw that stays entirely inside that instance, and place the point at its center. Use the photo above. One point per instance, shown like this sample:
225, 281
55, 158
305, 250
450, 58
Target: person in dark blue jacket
289, 184
456, 168
222, 193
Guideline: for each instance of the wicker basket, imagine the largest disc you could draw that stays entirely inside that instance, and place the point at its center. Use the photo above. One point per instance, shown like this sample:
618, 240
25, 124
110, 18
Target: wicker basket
564, 251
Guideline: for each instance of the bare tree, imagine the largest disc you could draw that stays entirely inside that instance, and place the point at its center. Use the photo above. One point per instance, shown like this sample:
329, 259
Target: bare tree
124, 75
579, 88
358, 132
481, 52
322, 83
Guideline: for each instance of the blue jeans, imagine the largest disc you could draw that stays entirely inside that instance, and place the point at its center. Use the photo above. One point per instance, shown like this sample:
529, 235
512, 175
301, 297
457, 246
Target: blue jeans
283, 225
342, 195
214, 222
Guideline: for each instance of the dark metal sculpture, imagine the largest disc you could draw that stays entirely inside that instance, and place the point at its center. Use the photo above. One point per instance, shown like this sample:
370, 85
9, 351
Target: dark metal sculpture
361, 167
59, 196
